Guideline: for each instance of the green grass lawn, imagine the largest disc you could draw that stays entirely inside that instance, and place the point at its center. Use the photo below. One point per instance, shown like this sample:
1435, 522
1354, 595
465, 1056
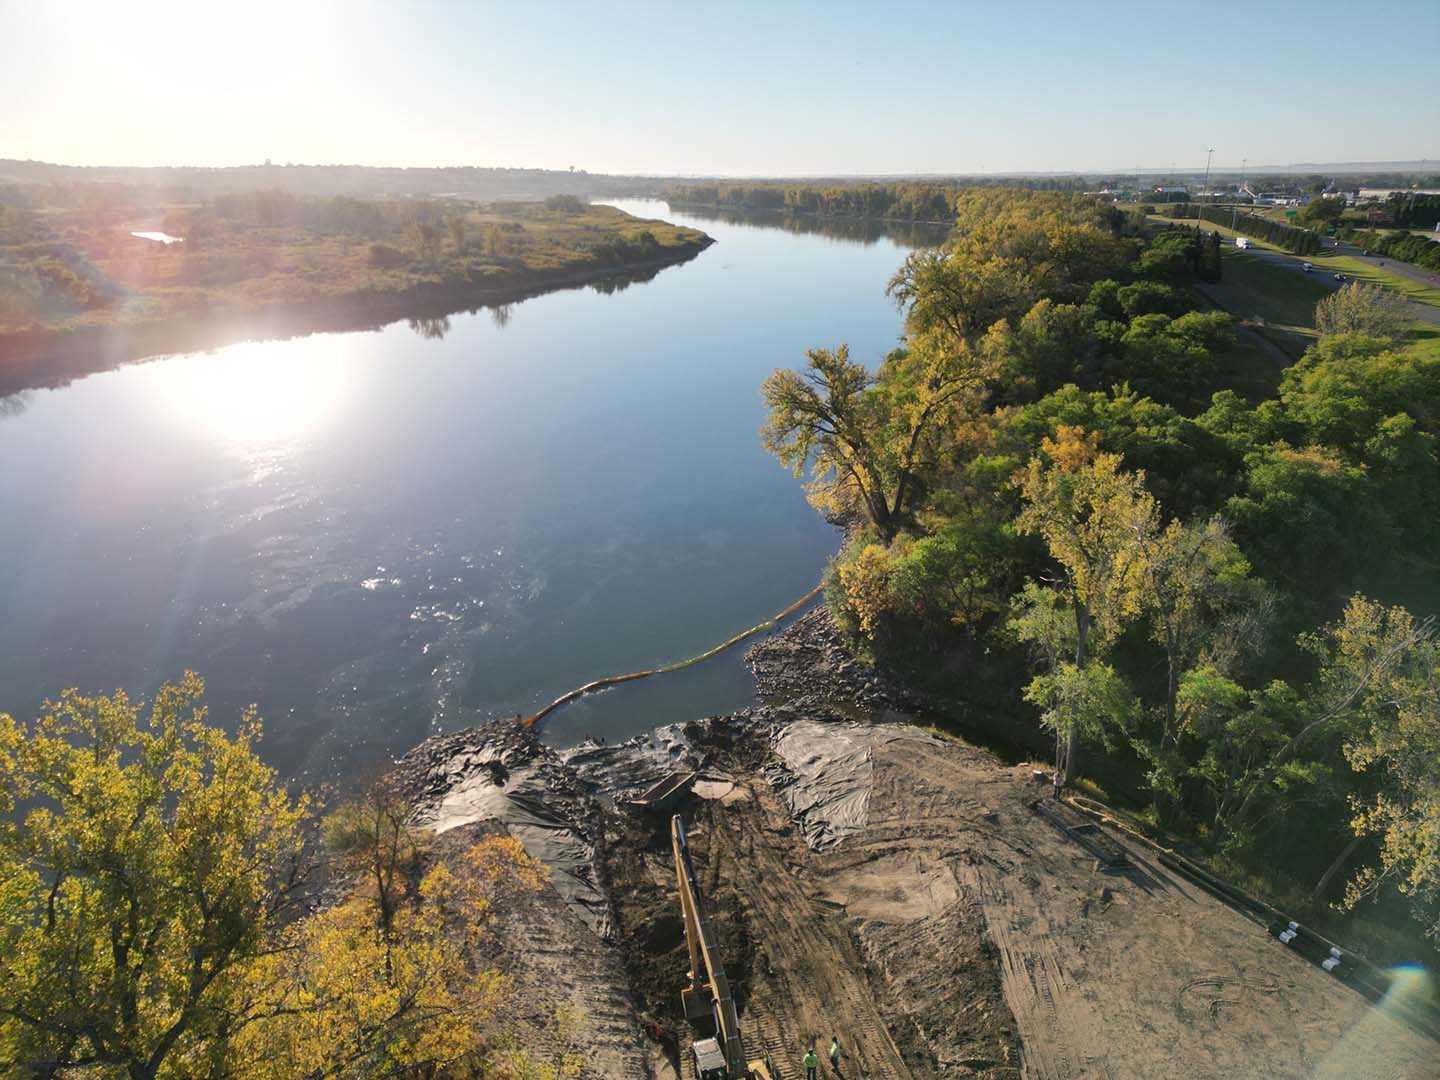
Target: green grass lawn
1249, 369
1278, 302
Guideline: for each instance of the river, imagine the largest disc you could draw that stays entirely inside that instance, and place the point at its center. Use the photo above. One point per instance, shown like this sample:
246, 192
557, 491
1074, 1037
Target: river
376, 536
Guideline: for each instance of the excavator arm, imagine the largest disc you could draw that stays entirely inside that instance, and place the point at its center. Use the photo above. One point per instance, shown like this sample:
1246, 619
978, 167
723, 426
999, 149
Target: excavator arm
709, 990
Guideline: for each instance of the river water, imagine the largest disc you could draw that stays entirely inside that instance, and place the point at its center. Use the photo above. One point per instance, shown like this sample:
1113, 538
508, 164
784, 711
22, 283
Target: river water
379, 535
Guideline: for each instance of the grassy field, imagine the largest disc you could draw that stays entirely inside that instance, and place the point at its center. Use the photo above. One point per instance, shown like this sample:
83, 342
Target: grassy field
1279, 303
1248, 368
67, 268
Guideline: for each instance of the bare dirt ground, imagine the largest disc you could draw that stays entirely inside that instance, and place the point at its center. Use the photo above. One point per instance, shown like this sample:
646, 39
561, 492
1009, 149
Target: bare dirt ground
907, 892
1109, 974
963, 932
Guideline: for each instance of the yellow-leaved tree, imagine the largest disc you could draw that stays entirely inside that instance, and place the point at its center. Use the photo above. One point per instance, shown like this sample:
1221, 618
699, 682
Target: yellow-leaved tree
158, 918
871, 443
147, 860
358, 998
1089, 511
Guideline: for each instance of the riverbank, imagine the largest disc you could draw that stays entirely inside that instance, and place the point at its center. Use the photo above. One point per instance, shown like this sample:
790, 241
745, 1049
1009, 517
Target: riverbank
31, 359
874, 879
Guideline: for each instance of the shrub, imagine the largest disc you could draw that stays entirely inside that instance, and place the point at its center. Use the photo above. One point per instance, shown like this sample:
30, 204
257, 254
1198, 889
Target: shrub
385, 257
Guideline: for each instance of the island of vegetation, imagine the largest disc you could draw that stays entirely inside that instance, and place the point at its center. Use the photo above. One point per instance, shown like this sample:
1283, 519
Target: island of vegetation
91, 276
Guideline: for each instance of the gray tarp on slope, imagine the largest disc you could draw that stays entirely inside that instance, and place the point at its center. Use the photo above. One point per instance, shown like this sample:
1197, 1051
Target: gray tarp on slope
546, 799
825, 771
623, 771
531, 801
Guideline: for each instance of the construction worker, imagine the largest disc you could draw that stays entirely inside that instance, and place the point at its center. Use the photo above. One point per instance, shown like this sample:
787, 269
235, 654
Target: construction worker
812, 1064
835, 1053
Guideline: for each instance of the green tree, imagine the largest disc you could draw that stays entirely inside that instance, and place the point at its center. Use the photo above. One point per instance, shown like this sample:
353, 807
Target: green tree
1204, 609
957, 576
1262, 748
1364, 309
1322, 211
145, 858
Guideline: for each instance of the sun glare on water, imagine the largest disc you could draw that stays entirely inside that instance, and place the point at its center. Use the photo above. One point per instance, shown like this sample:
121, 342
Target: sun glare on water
255, 396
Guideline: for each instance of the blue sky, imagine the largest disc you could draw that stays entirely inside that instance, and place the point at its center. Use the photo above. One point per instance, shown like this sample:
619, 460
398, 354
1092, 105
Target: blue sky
737, 89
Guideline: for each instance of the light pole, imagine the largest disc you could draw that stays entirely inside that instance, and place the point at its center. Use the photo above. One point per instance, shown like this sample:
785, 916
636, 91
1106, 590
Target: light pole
1206, 187
1236, 209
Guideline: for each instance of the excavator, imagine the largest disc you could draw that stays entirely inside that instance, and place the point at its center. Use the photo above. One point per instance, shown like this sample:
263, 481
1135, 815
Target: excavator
708, 995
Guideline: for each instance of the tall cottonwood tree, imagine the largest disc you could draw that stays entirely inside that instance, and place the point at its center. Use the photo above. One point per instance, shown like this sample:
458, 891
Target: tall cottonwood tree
870, 441
960, 294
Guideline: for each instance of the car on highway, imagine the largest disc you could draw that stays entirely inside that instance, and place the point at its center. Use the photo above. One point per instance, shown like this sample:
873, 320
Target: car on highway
1307, 267
1339, 277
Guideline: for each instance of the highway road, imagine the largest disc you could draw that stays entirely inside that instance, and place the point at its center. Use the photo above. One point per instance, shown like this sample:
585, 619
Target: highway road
1296, 263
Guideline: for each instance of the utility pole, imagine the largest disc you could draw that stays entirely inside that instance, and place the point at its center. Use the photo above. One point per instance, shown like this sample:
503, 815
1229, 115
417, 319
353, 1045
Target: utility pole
1206, 188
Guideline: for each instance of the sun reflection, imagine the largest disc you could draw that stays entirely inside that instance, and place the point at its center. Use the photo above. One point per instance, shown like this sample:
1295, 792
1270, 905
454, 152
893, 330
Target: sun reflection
1370, 1047
254, 396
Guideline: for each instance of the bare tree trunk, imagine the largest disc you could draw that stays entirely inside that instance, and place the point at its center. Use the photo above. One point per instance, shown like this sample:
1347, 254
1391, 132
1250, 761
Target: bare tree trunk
1318, 894
1072, 737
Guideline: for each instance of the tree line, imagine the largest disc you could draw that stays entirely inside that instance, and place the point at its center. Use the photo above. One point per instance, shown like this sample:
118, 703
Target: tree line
1200, 593
1295, 240
891, 202
1410, 210
1407, 247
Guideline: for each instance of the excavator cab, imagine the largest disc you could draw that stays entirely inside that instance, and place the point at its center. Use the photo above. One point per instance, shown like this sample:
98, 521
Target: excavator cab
710, 1063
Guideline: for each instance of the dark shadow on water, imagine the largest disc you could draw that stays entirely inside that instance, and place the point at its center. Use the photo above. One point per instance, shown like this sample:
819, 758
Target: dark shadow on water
715, 687
70, 357
432, 328
14, 404
849, 230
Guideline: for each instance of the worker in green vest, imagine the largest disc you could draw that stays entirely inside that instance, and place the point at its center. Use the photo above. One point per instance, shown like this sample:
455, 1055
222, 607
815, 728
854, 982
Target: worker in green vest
812, 1064
835, 1053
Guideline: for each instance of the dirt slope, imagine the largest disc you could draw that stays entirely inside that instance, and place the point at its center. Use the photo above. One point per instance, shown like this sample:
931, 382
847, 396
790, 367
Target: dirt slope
1109, 974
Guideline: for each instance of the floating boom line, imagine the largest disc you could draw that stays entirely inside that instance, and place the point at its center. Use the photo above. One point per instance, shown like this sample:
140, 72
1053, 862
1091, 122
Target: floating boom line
613, 680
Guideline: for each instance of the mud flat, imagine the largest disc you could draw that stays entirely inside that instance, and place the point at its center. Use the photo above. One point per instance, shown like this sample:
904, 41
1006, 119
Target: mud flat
905, 891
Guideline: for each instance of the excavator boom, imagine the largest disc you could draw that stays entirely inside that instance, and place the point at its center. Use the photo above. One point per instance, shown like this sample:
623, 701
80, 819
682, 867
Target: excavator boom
709, 988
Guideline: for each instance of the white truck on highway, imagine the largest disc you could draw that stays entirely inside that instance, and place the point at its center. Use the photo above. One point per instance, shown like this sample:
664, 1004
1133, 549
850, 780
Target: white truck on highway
1242, 243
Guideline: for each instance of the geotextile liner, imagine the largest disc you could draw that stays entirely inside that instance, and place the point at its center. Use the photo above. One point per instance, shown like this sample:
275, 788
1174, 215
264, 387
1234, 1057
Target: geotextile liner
825, 773
536, 802
547, 799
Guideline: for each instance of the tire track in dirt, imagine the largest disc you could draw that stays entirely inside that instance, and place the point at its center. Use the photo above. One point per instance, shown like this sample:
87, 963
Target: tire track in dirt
812, 983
